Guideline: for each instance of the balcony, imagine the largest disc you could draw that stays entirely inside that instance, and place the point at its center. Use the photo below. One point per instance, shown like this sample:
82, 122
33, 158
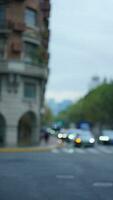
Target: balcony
16, 46
22, 68
8, 25
19, 26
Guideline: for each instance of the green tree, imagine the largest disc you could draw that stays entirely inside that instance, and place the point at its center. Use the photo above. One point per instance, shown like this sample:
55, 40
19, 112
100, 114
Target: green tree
96, 106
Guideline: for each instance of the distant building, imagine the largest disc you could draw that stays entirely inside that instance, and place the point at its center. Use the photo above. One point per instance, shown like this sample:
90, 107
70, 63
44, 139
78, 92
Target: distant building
57, 107
24, 37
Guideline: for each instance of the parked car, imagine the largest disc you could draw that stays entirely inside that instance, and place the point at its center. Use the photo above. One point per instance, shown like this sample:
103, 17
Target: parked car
106, 137
84, 138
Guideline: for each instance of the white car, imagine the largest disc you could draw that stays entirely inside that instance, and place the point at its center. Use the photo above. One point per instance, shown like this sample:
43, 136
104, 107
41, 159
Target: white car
106, 137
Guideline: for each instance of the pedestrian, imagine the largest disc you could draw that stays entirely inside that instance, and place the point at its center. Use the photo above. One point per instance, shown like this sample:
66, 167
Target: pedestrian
46, 136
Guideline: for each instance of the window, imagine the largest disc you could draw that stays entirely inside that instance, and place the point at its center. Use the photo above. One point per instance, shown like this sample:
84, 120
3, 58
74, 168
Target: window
31, 53
2, 47
2, 14
30, 90
30, 17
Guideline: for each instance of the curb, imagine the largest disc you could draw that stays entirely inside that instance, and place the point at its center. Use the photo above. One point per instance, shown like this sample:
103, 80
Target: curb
29, 149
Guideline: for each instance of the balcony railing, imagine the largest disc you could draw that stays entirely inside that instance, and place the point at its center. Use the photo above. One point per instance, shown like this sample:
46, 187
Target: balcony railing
7, 25
19, 67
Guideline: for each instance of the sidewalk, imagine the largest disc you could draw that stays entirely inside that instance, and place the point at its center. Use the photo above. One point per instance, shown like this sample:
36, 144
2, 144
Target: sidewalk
42, 147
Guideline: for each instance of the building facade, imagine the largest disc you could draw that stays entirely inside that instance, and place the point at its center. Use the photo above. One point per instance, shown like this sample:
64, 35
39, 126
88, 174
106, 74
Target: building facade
24, 37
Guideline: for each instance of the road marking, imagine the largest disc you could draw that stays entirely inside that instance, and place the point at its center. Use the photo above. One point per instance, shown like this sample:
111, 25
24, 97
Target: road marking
66, 150
103, 184
55, 151
71, 151
96, 150
65, 177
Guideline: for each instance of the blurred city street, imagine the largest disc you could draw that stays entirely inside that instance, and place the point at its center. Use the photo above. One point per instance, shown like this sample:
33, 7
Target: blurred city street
61, 174
56, 100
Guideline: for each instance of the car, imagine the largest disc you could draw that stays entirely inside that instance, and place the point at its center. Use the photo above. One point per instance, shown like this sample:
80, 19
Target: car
106, 137
84, 139
62, 134
68, 135
71, 134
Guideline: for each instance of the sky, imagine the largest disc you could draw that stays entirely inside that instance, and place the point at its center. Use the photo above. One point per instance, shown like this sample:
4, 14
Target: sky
81, 46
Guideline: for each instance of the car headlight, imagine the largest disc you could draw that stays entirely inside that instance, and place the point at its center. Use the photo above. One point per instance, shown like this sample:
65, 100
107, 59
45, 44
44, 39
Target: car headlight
92, 140
64, 135
71, 137
104, 138
78, 140
59, 135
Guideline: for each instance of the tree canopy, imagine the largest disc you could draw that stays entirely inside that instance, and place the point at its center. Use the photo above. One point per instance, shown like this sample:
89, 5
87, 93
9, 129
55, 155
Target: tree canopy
96, 106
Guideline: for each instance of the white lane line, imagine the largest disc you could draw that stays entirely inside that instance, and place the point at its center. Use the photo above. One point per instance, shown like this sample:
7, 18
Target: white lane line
103, 184
65, 177
65, 150
68, 150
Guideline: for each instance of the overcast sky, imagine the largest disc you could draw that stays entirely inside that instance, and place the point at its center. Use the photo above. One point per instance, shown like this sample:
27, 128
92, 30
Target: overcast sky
81, 45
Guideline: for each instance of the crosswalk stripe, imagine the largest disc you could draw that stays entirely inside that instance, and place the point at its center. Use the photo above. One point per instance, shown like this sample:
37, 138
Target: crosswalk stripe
66, 150
71, 151
96, 150
55, 151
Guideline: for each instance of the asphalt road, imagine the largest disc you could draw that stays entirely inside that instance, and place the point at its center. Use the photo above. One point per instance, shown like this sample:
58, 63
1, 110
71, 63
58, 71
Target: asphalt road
66, 174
